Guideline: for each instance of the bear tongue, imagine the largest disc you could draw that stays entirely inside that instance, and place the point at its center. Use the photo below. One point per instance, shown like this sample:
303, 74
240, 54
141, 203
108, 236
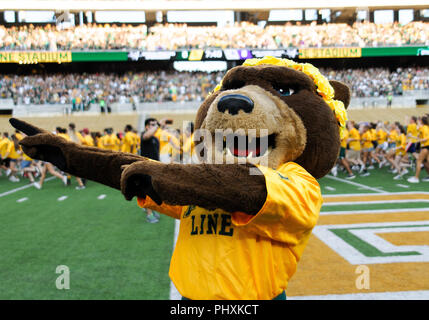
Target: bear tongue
245, 152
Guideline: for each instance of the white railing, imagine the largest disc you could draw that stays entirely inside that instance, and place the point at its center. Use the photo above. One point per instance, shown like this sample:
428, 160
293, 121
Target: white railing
408, 100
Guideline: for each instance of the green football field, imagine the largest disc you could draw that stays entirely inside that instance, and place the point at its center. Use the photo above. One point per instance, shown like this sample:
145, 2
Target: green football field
110, 250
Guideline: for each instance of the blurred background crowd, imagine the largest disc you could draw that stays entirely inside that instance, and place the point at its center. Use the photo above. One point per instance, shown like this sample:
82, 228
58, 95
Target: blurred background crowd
237, 35
161, 86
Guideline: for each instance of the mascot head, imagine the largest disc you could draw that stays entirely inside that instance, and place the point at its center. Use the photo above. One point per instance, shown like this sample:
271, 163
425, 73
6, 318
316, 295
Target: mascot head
274, 111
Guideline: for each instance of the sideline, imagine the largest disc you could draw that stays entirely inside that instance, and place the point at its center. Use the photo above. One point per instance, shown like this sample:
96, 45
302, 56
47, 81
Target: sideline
400, 295
355, 184
21, 188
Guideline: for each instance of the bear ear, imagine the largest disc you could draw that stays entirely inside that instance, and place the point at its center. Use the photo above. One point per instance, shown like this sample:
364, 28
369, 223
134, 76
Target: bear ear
342, 92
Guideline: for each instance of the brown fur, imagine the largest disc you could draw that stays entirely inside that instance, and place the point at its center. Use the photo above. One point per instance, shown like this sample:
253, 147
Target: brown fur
306, 129
178, 184
322, 141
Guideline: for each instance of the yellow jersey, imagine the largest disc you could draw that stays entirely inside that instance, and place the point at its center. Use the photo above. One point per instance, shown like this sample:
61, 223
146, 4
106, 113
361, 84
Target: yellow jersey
11, 152
412, 133
80, 137
222, 255
128, 143
401, 144
367, 140
424, 134
189, 145
19, 136
354, 145
166, 140
113, 142
393, 136
373, 134
4, 143
88, 141
381, 136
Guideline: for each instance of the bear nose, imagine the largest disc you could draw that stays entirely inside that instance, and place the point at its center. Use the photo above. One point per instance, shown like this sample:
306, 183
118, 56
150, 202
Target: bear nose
234, 103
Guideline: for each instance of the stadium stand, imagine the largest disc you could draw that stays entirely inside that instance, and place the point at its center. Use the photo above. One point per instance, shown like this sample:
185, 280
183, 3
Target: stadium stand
238, 35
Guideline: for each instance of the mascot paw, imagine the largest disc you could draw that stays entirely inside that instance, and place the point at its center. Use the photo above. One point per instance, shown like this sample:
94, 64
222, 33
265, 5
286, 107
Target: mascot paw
135, 183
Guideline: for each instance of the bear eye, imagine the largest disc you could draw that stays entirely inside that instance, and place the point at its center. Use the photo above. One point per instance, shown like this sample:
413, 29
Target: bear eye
285, 91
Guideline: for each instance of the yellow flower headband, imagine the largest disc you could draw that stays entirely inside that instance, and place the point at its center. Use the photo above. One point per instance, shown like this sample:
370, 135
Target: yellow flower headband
324, 88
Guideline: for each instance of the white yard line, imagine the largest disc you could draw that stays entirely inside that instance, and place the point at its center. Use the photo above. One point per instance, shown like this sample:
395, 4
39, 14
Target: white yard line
101, 197
62, 198
327, 213
355, 184
21, 188
400, 295
346, 195
402, 186
342, 203
22, 200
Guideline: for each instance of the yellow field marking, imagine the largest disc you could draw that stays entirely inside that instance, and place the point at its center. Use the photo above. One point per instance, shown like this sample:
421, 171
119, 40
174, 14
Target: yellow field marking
375, 197
322, 271
406, 238
380, 217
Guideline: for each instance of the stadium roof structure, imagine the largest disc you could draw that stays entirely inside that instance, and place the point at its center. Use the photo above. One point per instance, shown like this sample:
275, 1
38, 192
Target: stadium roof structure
237, 5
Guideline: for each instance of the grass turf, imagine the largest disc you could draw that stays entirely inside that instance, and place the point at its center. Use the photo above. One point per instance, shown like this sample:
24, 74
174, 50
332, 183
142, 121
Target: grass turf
111, 251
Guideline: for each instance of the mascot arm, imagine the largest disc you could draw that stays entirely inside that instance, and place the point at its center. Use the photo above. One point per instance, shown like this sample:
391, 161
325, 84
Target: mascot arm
103, 166
226, 186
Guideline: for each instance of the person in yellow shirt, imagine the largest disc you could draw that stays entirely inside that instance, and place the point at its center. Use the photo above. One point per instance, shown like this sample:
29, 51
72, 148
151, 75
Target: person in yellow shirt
110, 140
28, 167
167, 141
392, 138
399, 152
424, 149
18, 135
353, 154
369, 142
12, 154
382, 144
104, 141
62, 132
412, 137
188, 148
75, 135
87, 139
137, 142
129, 141
342, 157
4, 162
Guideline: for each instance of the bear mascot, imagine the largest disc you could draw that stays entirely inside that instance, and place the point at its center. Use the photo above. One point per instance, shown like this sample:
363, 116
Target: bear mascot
247, 209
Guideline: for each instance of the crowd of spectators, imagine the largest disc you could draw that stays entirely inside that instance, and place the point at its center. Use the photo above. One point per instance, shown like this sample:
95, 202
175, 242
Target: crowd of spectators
82, 89
376, 82
237, 35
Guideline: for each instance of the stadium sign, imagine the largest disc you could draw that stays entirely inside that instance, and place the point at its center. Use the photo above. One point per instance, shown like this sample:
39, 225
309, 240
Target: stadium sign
32, 57
423, 52
290, 53
237, 54
323, 53
151, 55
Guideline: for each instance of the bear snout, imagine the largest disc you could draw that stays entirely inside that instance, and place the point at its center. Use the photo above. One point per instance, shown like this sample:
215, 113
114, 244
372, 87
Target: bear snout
233, 103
